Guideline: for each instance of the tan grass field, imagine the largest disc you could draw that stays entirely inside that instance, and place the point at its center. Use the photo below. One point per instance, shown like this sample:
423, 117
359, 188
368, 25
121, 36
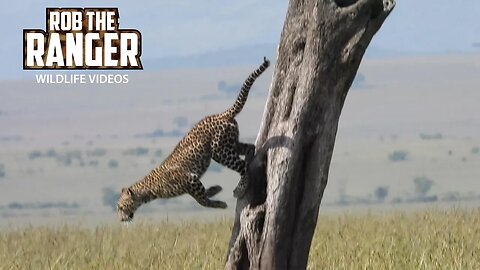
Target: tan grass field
433, 239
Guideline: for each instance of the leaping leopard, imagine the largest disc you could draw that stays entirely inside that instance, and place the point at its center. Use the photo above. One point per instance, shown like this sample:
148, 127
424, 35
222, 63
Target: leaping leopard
214, 137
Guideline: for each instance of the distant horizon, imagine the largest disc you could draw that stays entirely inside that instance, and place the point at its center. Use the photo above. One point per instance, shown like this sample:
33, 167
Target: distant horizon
203, 61
175, 32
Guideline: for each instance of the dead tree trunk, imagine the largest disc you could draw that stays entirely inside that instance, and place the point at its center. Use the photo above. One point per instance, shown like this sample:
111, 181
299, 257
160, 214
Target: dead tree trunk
321, 46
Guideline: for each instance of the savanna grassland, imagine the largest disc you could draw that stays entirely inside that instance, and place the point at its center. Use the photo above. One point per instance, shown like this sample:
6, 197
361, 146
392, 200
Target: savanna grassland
434, 239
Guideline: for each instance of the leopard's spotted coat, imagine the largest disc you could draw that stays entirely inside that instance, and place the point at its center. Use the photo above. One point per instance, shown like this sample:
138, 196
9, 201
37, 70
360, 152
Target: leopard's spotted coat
215, 137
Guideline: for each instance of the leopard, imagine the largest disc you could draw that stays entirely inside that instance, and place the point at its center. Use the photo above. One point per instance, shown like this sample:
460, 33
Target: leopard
214, 137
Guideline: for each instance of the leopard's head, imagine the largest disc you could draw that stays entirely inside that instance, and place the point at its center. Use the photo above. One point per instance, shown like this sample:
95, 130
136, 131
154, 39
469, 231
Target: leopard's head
126, 205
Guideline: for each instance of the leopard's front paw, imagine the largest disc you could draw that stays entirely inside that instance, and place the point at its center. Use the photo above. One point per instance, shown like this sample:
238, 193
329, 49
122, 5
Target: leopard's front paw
220, 204
213, 190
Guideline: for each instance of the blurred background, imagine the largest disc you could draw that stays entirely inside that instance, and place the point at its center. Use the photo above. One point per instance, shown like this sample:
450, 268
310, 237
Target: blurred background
409, 135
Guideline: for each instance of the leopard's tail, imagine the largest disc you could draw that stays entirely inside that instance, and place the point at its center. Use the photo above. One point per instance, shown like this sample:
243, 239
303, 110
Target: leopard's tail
242, 97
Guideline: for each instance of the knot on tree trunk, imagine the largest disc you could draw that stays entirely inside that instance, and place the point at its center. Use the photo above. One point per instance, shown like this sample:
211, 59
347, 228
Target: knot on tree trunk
252, 219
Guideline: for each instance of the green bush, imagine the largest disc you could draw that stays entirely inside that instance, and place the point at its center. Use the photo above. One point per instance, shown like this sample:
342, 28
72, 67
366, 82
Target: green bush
74, 154
381, 193
422, 185
64, 160
113, 163
398, 155
35, 154
51, 153
97, 152
93, 163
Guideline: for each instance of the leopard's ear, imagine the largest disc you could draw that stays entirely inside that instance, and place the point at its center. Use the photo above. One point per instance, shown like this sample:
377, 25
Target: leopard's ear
128, 191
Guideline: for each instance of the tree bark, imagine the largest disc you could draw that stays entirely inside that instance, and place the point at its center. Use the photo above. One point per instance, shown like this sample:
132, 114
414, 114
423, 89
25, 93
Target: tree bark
321, 46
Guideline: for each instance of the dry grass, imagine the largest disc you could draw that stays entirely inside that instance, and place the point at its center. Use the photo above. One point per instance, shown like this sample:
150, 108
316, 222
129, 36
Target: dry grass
424, 240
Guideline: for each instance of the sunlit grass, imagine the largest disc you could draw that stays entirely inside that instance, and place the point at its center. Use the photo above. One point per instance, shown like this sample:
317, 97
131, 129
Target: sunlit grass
423, 240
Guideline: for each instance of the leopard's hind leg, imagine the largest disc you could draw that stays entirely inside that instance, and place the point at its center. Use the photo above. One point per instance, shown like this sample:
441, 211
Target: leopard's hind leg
227, 150
230, 158
245, 149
